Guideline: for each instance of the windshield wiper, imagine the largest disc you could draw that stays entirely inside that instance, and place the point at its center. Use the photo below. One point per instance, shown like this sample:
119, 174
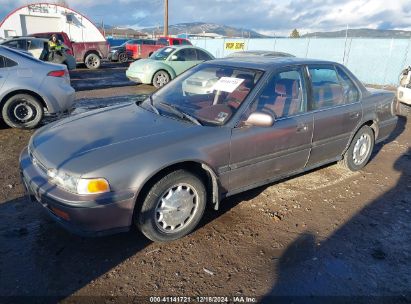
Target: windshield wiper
181, 113
152, 106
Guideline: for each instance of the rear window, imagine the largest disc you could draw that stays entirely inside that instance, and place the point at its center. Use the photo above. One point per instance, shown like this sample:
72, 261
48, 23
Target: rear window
26, 56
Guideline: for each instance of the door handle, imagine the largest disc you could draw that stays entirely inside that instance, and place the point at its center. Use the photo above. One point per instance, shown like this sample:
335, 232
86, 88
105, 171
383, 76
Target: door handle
354, 115
302, 128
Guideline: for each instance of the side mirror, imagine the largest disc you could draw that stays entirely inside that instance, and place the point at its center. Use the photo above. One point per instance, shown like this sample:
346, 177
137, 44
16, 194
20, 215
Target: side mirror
260, 119
174, 58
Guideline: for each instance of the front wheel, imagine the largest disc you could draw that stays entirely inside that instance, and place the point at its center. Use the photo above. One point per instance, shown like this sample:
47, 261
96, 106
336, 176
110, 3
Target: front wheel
360, 150
22, 111
92, 61
173, 207
160, 79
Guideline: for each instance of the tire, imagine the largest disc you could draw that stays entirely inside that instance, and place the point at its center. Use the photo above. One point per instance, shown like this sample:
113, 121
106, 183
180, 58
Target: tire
160, 79
122, 57
158, 221
360, 150
405, 110
92, 61
22, 111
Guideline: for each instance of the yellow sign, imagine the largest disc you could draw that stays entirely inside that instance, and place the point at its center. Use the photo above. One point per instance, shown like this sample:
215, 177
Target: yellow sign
231, 45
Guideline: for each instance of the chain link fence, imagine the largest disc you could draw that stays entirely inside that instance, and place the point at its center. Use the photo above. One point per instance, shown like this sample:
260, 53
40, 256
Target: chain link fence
373, 61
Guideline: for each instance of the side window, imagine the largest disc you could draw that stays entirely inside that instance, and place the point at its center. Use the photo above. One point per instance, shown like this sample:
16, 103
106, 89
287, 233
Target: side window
186, 55
326, 88
176, 42
284, 95
185, 42
350, 91
202, 55
6, 62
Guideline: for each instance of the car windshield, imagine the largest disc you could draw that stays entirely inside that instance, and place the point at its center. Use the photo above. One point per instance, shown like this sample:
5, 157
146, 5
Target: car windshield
207, 94
162, 54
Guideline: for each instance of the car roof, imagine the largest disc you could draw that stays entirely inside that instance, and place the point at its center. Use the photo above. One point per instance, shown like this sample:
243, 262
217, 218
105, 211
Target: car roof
260, 53
266, 63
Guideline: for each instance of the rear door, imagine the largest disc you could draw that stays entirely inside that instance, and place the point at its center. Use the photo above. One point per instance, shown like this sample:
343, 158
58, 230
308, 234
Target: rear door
186, 58
260, 154
336, 104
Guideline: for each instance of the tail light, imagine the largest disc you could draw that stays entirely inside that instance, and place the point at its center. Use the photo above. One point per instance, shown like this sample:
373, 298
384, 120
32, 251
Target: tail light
59, 73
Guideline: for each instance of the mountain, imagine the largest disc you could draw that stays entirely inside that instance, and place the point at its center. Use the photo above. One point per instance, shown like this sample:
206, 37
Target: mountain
200, 27
361, 33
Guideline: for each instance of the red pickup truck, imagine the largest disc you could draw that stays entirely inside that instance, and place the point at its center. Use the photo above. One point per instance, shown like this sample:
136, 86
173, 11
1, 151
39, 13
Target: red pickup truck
138, 51
89, 53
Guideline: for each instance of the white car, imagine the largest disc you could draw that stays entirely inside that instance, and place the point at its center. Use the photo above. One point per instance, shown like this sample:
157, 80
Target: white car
404, 91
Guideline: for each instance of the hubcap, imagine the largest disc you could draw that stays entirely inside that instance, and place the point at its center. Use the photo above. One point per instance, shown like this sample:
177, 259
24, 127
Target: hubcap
92, 62
361, 149
22, 112
161, 79
176, 208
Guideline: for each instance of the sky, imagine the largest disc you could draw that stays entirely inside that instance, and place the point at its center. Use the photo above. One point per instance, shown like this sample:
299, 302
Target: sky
273, 17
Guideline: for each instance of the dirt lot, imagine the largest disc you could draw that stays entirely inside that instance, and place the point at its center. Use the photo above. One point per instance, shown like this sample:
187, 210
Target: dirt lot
325, 236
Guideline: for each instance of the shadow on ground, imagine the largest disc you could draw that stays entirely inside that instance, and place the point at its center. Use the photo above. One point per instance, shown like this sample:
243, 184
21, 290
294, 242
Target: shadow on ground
367, 260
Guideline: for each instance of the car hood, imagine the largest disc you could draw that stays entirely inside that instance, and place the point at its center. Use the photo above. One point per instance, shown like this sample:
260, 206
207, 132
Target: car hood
88, 141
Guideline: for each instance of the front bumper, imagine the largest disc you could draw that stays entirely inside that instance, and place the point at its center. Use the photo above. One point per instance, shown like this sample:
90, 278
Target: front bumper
87, 215
138, 77
112, 56
404, 95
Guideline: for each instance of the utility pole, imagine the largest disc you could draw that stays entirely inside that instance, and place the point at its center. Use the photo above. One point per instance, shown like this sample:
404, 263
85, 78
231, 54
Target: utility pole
165, 18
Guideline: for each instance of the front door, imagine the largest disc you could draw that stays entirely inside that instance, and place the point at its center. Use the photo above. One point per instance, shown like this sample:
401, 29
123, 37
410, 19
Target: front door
261, 154
184, 59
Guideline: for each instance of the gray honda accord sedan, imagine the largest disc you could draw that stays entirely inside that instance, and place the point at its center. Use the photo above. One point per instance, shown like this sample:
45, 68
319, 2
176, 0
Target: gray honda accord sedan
221, 128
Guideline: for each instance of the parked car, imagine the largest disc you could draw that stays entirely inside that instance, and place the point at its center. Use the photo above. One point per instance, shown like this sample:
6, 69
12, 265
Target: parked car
147, 47
259, 53
89, 53
160, 162
38, 47
165, 64
30, 88
120, 53
404, 91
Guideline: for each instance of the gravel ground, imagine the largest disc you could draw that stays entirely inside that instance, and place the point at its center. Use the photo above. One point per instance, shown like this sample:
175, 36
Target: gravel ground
325, 236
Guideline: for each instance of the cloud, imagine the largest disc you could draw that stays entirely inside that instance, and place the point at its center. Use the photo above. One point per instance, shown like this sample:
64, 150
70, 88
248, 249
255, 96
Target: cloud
268, 16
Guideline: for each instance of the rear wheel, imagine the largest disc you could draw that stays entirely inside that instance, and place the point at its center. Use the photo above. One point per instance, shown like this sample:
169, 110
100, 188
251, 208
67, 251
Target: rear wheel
360, 149
92, 61
22, 111
122, 58
160, 79
173, 207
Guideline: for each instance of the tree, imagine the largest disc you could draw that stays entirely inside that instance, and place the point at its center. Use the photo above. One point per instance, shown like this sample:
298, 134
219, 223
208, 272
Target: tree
295, 34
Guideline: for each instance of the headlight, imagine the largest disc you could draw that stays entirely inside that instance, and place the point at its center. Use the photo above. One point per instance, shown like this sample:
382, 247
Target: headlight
92, 186
62, 179
78, 185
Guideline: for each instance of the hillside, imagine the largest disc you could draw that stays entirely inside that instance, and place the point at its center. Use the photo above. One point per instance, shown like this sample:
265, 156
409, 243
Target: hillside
200, 27
362, 33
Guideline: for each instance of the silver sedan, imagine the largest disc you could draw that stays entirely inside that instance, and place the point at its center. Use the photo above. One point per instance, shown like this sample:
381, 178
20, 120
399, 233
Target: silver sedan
30, 88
